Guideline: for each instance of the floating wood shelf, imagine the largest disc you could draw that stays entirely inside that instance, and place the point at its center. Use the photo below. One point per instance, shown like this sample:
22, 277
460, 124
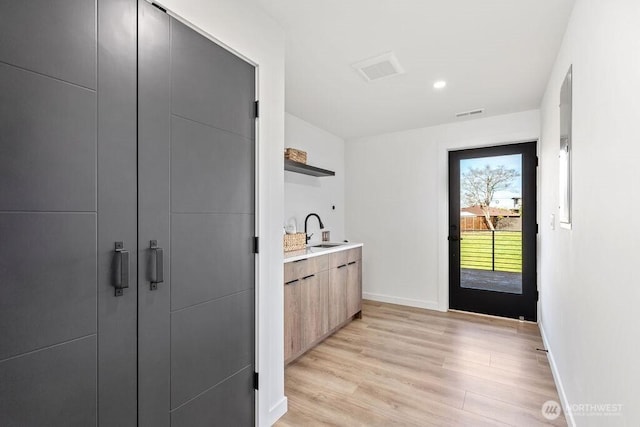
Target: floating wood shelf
291, 166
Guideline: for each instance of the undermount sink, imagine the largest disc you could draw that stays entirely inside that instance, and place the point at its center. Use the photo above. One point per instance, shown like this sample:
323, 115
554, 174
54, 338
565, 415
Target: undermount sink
326, 245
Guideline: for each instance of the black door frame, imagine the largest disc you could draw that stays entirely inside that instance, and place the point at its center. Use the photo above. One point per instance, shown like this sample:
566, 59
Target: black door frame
485, 301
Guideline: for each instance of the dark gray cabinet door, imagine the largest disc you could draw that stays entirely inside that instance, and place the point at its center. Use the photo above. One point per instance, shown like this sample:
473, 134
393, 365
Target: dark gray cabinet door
67, 193
117, 208
196, 199
72, 157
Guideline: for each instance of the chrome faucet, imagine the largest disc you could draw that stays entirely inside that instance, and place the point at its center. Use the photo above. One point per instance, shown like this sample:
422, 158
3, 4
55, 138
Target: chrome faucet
305, 225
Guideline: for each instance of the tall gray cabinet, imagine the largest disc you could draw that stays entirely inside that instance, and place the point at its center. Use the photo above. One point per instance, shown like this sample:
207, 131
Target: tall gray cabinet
127, 159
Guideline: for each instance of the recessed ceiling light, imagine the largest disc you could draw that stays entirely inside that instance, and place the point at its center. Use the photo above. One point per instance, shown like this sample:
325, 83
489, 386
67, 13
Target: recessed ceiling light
440, 84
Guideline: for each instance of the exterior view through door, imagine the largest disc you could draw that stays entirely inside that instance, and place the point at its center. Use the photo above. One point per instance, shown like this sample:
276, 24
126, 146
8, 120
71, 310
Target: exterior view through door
492, 230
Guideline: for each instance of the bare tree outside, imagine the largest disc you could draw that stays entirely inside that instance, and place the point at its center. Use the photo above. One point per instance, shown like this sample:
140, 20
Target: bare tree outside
479, 186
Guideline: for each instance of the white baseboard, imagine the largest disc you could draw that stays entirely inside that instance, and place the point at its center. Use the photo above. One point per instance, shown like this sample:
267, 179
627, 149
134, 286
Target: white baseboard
429, 305
490, 316
558, 380
277, 411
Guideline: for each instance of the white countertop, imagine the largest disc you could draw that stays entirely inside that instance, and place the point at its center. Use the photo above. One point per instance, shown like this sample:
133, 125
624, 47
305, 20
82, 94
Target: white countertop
311, 251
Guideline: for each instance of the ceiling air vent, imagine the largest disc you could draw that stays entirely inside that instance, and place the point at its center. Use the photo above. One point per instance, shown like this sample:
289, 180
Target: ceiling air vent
379, 67
470, 113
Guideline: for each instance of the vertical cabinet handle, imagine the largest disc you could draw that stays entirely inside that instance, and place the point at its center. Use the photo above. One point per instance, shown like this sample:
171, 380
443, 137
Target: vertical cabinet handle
120, 269
157, 265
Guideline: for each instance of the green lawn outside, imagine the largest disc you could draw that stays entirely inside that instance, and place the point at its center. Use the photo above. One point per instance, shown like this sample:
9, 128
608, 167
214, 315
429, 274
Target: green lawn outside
476, 250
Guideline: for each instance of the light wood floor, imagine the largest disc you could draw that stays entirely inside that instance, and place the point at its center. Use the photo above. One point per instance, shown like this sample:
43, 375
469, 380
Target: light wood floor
408, 366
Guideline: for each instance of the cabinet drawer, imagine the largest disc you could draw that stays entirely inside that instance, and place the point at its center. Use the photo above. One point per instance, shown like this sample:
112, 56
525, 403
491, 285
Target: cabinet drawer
319, 263
290, 272
298, 269
354, 254
337, 259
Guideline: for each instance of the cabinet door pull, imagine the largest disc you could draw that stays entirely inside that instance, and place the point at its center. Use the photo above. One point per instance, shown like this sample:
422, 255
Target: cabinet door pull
291, 282
300, 260
352, 262
120, 269
157, 267
343, 265
308, 277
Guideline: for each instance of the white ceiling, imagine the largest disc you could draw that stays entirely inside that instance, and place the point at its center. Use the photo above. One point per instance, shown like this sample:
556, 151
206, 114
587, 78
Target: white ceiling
494, 54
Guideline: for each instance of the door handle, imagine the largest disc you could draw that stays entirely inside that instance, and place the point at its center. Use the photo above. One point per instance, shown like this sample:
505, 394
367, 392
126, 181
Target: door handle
120, 278
157, 265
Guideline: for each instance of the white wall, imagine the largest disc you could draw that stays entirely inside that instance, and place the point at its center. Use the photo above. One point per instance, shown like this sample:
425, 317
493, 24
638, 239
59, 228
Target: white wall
245, 28
304, 194
590, 285
397, 203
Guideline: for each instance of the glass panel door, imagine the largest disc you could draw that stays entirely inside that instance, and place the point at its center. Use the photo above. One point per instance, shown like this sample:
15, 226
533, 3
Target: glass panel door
492, 230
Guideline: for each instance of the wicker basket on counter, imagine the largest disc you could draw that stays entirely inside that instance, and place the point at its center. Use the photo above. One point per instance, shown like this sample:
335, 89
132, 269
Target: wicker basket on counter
295, 155
295, 242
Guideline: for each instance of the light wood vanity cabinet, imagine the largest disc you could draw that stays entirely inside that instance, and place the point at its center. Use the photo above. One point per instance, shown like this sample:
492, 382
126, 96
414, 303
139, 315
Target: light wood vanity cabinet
321, 294
354, 287
354, 282
345, 286
314, 301
292, 332
307, 313
306, 309
337, 295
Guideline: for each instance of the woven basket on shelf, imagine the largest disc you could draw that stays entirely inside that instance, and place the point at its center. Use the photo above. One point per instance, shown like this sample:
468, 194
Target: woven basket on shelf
295, 242
296, 155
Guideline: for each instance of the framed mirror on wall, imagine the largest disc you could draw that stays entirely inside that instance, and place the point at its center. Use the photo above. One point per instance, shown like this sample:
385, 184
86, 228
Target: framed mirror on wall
565, 150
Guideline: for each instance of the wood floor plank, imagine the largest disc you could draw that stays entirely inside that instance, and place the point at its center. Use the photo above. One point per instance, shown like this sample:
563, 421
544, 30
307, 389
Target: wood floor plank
507, 413
413, 367
518, 365
536, 383
397, 379
436, 348
430, 376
